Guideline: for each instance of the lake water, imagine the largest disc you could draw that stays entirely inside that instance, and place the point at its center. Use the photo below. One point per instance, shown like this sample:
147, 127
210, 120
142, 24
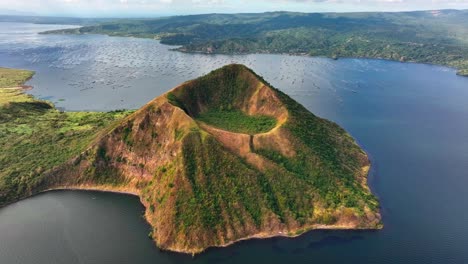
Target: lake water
412, 119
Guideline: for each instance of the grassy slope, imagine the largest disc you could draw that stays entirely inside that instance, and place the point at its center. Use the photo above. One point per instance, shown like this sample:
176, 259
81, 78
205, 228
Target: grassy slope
425, 36
237, 121
329, 160
35, 137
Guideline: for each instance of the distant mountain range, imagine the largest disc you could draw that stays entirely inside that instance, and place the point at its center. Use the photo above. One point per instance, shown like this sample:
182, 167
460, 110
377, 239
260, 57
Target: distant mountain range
11, 16
11, 12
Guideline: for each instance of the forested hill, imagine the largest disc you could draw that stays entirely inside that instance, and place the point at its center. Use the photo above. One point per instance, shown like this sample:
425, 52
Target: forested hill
437, 37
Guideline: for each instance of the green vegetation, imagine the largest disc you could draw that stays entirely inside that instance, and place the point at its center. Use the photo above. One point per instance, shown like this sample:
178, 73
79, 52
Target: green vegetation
237, 121
437, 37
463, 72
220, 182
217, 91
323, 174
13, 78
35, 137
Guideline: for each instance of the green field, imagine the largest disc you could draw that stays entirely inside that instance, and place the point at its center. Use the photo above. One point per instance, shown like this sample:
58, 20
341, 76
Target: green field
237, 121
13, 77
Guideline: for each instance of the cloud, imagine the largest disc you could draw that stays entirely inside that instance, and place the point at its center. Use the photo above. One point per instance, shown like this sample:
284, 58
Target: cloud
164, 7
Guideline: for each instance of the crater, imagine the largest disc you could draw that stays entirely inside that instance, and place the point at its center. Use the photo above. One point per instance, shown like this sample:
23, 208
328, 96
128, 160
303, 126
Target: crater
241, 103
237, 121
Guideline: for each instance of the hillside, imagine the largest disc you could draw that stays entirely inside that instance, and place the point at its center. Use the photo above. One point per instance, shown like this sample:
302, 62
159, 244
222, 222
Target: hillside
436, 37
274, 169
35, 137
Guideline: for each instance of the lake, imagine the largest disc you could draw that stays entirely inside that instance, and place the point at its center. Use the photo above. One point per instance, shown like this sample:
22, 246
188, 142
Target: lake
410, 118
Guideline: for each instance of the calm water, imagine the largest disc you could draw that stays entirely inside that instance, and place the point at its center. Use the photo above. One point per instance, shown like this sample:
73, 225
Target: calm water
411, 118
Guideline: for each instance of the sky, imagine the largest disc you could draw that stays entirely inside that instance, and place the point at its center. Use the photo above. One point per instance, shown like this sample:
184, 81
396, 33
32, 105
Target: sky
152, 8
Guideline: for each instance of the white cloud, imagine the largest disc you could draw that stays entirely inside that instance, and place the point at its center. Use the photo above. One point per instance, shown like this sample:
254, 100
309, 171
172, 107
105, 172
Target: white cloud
157, 7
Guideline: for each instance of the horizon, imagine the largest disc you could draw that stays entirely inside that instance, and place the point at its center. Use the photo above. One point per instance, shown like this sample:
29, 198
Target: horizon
221, 13
158, 8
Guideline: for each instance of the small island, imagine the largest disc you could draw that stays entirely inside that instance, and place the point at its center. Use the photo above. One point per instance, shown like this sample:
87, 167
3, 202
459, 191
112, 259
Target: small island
218, 159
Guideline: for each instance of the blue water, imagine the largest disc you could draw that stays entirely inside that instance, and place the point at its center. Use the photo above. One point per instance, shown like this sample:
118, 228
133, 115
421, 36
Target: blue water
410, 118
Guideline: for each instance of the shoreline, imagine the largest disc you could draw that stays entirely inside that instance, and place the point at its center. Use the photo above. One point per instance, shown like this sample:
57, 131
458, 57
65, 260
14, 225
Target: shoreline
281, 234
89, 189
178, 48
457, 70
20, 88
315, 227
299, 231
261, 235
73, 188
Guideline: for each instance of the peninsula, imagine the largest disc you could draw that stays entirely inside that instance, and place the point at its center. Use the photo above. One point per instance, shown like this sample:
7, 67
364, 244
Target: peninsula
218, 159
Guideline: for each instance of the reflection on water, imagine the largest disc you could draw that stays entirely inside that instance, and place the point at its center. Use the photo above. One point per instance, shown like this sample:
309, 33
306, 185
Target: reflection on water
94, 72
410, 118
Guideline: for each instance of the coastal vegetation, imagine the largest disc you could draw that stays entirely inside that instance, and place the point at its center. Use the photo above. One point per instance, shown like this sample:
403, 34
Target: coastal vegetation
218, 159
13, 77
463, 72
35, 137
436, 37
